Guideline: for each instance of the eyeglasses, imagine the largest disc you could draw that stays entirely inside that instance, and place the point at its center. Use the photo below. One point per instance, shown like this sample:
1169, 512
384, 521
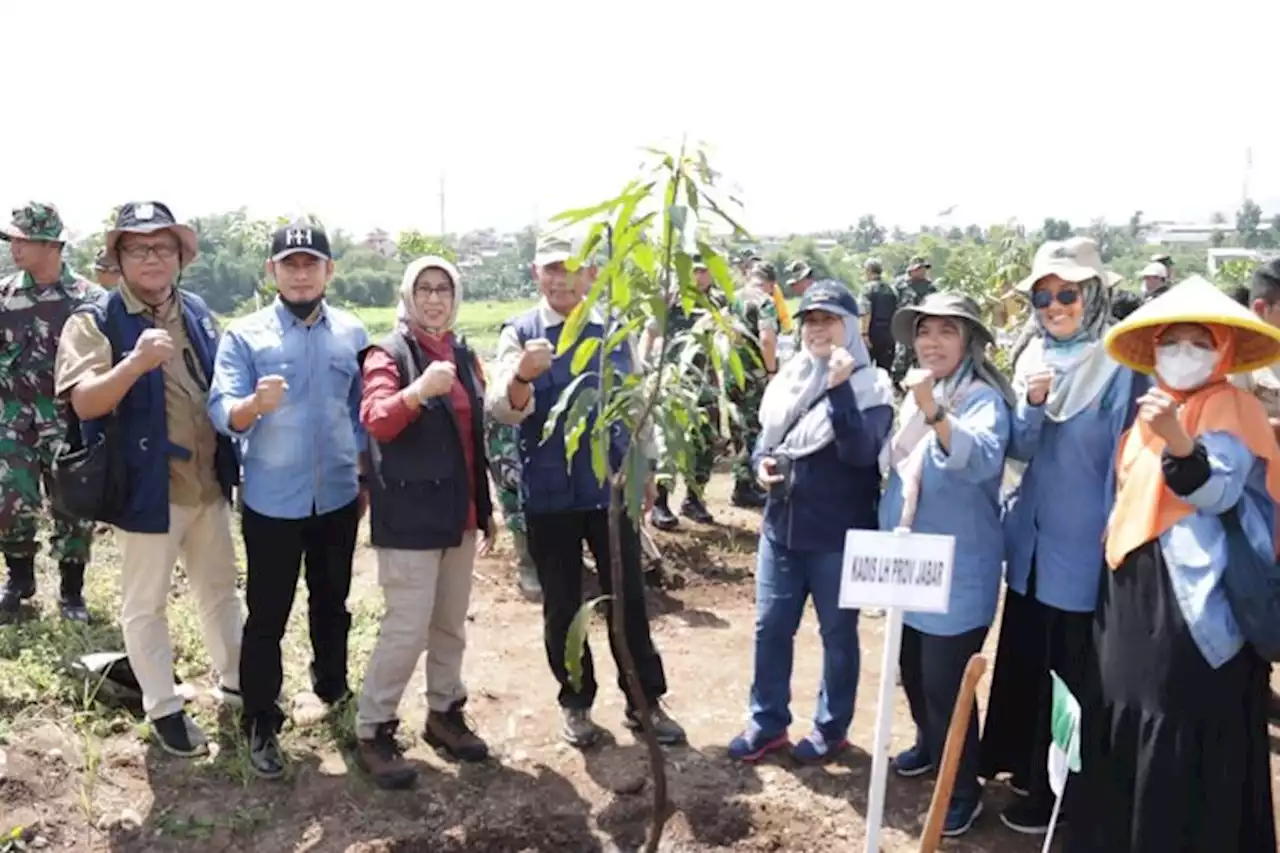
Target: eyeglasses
443, 291
1042, 299
163, 252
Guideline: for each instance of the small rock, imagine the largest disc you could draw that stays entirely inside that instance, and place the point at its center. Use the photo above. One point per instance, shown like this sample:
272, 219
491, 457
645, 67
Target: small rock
53, 755
129, 820
519, 755
39, 842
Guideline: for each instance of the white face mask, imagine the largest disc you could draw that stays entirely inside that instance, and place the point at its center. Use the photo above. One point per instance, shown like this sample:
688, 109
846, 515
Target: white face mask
1183, 366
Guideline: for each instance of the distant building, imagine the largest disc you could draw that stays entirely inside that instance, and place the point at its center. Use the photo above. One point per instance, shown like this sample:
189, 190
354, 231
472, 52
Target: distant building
1192, 233
381, 242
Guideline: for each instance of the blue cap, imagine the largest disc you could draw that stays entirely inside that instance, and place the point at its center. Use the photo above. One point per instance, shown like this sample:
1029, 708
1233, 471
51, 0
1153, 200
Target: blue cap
830, 296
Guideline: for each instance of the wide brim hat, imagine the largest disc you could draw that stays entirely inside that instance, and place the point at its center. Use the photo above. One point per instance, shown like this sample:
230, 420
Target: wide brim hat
1076, 260
149, 217
1195, 300
952, 305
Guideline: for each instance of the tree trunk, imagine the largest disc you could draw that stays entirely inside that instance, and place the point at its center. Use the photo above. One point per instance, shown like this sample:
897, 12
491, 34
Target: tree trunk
618, 625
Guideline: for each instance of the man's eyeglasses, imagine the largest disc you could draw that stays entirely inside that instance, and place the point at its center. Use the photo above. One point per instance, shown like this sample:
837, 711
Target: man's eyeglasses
162, 252
1042, 299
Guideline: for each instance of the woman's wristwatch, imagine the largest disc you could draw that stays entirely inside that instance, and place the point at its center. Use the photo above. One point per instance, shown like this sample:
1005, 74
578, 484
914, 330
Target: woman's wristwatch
936, 418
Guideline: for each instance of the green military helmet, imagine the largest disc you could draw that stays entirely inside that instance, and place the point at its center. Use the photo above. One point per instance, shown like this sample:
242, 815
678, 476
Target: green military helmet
36, 220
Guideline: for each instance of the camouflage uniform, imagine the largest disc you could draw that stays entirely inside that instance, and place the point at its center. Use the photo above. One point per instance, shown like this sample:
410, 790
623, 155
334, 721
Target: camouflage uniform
33, 421
756, 313
502, 444
704, 439
910, 293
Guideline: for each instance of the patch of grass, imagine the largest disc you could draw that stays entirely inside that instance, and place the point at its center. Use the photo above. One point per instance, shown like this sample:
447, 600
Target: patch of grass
479, 321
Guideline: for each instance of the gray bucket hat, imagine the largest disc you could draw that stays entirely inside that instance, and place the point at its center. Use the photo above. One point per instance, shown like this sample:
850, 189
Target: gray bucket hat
954, 305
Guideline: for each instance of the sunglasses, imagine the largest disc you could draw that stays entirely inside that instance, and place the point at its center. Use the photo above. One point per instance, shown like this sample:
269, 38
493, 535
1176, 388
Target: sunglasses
1042, 299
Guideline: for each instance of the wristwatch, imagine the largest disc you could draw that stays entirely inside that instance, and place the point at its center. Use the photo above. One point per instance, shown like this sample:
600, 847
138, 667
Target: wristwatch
938, 414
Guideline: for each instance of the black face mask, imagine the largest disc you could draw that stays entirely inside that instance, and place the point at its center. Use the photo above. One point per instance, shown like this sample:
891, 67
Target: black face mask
302, 310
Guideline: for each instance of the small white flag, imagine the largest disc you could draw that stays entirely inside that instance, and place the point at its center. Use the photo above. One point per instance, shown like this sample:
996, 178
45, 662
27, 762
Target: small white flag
1064, 752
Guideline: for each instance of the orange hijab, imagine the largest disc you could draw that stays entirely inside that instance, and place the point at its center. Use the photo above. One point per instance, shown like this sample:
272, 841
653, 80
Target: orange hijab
1145, 507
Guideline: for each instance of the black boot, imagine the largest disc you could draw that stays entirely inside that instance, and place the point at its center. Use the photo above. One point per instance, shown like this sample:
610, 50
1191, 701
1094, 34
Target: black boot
748, 495
21, 585
71, 600
695, 510
662, 516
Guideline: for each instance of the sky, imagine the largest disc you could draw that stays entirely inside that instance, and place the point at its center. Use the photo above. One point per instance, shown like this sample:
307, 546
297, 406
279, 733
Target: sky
817, 112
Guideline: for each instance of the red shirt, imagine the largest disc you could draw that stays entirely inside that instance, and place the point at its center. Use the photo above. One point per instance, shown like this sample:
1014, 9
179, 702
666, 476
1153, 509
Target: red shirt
385, 411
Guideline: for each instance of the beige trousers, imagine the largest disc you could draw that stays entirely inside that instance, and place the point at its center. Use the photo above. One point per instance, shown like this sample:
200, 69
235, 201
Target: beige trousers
202, 537
427, 597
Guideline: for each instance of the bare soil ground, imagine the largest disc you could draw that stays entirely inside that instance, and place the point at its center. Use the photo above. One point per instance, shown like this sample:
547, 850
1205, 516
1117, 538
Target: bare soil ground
74, 776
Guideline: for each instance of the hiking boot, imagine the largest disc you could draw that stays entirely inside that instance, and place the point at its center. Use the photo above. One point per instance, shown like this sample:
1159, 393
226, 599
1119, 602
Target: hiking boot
579, 729
695, 510
912, 762
662, 517
960, 817
264, 752
668, 731
71, 592
178, 735
381, 757
20, 585
450, 732
748, 495
817, 749
753, 745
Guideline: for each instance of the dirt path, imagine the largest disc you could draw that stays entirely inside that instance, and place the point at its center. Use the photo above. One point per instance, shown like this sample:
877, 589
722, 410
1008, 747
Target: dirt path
89, 782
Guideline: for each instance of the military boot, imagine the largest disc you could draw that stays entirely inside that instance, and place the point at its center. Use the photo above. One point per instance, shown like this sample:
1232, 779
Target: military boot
748, 496
662, 516
20, 586
71, 597
527, 577
695, 510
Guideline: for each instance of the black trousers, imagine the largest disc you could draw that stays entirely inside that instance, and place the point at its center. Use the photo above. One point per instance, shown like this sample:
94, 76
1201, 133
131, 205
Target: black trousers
882, 351
275, 548
932, 670
555, 543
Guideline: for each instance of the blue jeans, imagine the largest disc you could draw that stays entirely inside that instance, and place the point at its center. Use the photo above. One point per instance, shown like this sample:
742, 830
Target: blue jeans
785, 578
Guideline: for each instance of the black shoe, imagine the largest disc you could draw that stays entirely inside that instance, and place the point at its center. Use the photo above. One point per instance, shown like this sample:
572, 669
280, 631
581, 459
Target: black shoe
695, 510
20, 585
264, 752
71, 597
662, 517
748, 496
1029, 817
178, 735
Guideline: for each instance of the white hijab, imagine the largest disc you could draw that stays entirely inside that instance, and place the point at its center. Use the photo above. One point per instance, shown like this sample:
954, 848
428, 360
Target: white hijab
794, 420
407, 312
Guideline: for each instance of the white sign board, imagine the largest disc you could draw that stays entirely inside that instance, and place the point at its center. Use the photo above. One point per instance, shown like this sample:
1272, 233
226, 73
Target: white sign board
911, 571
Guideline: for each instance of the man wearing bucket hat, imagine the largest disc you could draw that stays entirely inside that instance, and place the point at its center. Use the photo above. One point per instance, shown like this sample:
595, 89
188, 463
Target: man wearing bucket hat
106, 272
1155, 280
288, 371
35, 303
911, 292
799, 277
143, 355
1177, 753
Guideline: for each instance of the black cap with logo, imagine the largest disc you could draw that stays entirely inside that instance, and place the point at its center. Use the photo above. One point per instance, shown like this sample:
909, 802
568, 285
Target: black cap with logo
300, 236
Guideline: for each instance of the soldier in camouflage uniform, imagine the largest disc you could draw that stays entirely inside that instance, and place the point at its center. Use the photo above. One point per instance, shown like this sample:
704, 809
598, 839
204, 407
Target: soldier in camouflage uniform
910, 293
757, 318
504, 466
34, 304
693, 507
105, 270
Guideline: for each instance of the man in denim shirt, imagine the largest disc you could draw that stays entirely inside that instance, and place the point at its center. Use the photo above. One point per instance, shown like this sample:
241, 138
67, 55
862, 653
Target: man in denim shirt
287, 386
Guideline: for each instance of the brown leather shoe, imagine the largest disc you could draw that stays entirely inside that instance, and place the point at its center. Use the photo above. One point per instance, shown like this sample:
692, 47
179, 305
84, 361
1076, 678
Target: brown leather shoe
451, 733
381, 758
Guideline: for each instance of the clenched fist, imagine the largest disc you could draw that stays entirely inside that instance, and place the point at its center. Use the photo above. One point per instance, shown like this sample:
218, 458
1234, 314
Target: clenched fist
1159, 411
1038, 385
535, 360
921, 382
154, 348
839, 367
435, 381
268, 393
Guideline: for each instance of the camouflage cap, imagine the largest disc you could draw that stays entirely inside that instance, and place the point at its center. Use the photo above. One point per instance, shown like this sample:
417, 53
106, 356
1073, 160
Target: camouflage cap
765, 272
797, 271
36, 220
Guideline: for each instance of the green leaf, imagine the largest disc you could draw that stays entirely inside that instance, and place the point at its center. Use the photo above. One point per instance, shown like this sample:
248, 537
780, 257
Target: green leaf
576, 422
623, 334
575, 643
719, 270
566, 396
578, 318
678, 215
582, 355
571, 217
644, 258
735, 364
600, 453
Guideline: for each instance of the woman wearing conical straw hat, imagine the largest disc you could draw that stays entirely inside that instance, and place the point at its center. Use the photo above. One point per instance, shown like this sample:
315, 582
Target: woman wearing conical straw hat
1174, 748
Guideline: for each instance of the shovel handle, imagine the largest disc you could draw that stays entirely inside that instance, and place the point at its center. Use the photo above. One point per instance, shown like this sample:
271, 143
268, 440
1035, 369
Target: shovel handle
956, 731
